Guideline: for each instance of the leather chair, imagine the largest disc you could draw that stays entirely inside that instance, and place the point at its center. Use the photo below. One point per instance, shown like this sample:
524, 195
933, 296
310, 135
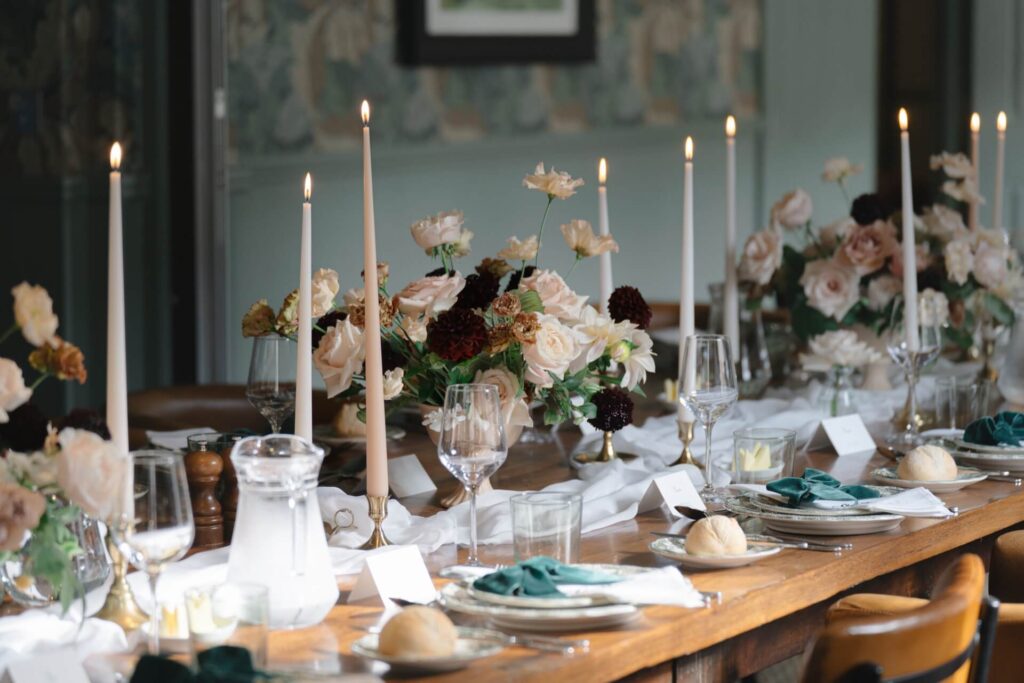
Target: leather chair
931, 641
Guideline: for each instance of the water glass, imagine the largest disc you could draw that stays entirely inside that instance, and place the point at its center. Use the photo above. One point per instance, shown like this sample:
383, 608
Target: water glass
271, 384
762, 454
229, 614
959, 401
547, 523
927, 343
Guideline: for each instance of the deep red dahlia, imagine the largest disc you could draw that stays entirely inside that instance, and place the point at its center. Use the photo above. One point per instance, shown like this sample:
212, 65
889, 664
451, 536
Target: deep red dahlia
626, 303
457, 334
614, 409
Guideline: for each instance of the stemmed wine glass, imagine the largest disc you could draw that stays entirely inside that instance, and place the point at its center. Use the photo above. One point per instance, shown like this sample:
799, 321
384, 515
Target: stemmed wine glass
912, 352
158, 530
471, 446
707, 386
271, 386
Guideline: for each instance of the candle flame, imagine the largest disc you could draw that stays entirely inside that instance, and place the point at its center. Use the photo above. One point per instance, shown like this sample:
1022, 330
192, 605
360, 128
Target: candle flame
688, 148
366, 113
115, 156
308, 187
975, 122
904, 119
730, 126
1001, 122
602, 171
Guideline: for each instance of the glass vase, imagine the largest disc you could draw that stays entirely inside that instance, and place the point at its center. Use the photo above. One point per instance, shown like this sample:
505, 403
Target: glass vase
752, 359
1011, 375
837, 398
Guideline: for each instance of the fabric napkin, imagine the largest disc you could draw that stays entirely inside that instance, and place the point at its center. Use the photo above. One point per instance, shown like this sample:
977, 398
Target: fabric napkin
539, 577
36, 631
817, 485
662, 586
1005, 428
919, 502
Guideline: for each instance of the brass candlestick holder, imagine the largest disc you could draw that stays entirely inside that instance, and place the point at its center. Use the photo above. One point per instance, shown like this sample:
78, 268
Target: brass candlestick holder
378, 513
686, 436
606, 454
120, 606
989, 372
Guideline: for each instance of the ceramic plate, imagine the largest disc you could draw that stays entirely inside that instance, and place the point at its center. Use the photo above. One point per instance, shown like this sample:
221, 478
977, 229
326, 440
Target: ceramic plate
1013, 464
964, 478
817, 525
944, 433
1000, 450
472, 644
565, 602
771, 505
675, 549
325, 434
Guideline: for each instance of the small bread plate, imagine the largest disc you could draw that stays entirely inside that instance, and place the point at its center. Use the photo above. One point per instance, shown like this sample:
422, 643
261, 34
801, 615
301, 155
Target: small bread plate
326, 434
675, 549
965, 477
473, 644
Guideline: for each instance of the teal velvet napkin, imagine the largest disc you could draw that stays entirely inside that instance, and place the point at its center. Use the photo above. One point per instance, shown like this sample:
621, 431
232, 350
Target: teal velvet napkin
1004, 428
538, 577
817, 485
223, 664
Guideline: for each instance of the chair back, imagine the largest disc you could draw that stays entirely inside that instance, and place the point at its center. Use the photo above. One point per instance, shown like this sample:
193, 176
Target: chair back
937, 642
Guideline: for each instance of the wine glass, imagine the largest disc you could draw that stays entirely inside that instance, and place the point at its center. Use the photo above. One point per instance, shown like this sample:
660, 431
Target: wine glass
271, 386
158, 529
912, 349
708, 388
471, 446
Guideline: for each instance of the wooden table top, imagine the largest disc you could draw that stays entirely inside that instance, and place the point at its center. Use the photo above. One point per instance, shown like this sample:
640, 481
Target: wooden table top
753, 596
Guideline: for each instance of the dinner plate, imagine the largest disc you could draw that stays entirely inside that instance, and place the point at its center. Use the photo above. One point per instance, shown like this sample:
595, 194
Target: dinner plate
771, 505
964, 478
1013, 464
818, 525
675, 549
532, 602
980, 448
326, 434
943, 433
473, 644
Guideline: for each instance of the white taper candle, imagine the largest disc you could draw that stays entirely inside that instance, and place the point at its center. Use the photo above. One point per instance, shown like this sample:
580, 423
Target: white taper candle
909, 248
997, 203
602, 225
304, 358
973, 208
731, 294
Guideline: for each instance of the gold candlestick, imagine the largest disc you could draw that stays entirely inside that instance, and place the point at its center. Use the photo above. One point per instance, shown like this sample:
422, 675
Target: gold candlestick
989, 372
378, 513
606, 454
120, 606
686, 436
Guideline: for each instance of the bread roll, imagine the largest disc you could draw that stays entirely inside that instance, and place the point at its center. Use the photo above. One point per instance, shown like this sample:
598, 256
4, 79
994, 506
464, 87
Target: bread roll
716, 535
927, 463
418, 632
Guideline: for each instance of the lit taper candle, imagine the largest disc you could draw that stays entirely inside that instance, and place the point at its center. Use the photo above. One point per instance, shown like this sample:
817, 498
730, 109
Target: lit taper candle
117, 357
731, 295
686, 315
909, 248
972, 209
304, 359
997, 203
602, 225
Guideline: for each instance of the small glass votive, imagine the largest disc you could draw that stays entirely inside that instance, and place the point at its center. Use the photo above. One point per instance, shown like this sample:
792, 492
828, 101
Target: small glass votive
762, 454
547, 523
959, 401
229, 614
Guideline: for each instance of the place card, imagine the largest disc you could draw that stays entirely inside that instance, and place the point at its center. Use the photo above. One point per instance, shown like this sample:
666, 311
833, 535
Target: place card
407, 477
846, 434
674, 488
394, 572
55, 666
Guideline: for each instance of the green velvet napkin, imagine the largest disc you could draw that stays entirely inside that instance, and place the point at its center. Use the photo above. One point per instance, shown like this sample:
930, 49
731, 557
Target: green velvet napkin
538, 577
817, 485
223, 664
1005, 428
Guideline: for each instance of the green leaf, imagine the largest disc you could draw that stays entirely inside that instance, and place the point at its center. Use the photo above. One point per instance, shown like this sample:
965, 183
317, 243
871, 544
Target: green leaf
530, 301
810, 322
998, 309
959, 336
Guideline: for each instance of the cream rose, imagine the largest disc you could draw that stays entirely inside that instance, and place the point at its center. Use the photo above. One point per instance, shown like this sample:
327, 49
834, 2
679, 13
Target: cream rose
965, 190
91, 473
831, 287
953, 165
33, 313
839, 169
793, 210
933, 307
833, 233
943, 222
990, 267
923, 259
37, 468
519, 251
959, 260
881, 291
13, 392
558, 299
430, 295
393, 383
339, 356
843, 347
553, 349
461, 247
580, 237
513, 406
761, 257
865, 248
433, 231
555, 184
325, 288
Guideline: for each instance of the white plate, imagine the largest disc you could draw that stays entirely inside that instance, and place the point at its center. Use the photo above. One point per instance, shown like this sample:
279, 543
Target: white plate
1014, 464
473, 644
964, 478
325, 434
1000, 450
530, 602
943, 433
770, 505
820, 525
675, 549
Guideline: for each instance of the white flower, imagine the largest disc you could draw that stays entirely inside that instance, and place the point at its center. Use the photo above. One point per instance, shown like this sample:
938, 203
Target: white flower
943, 222
325, 288
461, 246
831, 287
434, 420
933, 307
839, 169
761, 257
519, 251
580, 237
415, 327
553, 349
393, 383
595, 333
555, 184
91, 473
354, 297
37, 468
881, 291
33, 313
13, 392
963, 191
833, 233
793, 210
959, 260
513, 406
430, 295
843, 347
558, 299
990, 265
953, 165
433, 231
994, 238
339, 356
635, 356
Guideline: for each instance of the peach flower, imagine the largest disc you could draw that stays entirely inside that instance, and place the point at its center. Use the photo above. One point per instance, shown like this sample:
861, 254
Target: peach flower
558, 299
831, 287
91, 472
865, 248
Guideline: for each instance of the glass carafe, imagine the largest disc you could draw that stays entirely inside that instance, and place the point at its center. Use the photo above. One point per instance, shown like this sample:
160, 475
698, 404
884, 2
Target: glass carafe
278, 539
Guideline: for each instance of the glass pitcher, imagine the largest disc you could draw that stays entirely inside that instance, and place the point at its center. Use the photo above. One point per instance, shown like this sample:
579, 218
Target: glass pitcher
278, 539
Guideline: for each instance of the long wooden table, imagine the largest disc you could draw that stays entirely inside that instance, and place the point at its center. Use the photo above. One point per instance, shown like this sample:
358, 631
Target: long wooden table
770, 610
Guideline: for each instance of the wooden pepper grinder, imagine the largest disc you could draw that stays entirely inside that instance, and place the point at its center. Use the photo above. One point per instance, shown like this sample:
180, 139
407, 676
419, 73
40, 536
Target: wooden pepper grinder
203, 468
229, 494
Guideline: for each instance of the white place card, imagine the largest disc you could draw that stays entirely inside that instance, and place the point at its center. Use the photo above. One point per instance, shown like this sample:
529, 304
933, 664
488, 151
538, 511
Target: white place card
395, 572
406, 477
671, 489
846, 434
56, 666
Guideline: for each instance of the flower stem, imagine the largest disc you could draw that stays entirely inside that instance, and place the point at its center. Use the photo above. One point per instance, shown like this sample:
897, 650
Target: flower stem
540, 233
39, 380
846, 196
10, 330
574, 264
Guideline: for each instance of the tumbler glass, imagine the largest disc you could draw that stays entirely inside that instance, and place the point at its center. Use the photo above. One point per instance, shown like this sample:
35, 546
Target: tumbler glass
959, 401
547, 523
762, 454
229, 614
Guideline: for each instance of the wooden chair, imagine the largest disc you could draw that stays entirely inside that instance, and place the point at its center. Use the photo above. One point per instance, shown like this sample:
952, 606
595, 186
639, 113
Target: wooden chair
947, 638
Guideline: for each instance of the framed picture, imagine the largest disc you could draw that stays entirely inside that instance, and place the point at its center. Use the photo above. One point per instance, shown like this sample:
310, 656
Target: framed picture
467, 32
